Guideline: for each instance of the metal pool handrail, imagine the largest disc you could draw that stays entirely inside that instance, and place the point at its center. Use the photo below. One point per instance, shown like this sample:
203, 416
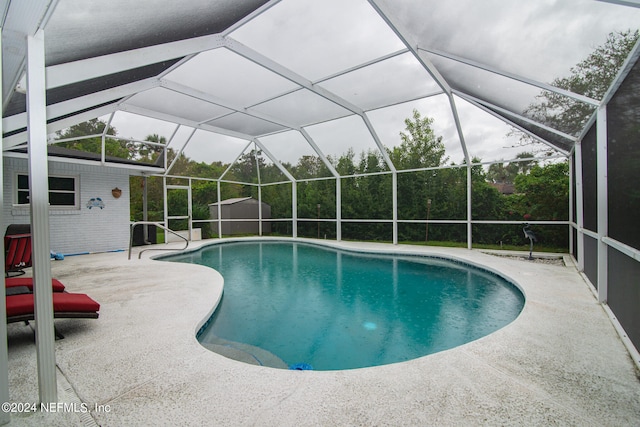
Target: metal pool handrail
157, 224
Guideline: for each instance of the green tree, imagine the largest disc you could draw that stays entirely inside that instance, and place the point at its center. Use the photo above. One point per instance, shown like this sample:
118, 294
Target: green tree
546, 191
506, 173
84, 141
420, 146
151, 153
591, 77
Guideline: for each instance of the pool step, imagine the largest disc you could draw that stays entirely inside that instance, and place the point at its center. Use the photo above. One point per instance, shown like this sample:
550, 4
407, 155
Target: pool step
244, 353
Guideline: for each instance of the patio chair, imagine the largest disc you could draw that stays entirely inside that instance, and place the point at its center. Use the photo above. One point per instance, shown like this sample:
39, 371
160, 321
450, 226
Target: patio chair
20, 307
13, 282
17, 253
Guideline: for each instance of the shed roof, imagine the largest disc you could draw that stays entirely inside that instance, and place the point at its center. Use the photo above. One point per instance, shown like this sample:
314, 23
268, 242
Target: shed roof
232, 201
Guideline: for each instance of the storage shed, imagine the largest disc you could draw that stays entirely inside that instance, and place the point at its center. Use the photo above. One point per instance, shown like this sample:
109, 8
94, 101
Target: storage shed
233, 210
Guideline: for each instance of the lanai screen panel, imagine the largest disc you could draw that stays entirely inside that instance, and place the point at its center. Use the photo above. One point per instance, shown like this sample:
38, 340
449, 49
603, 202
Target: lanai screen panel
223, 75
393, 80
510, 94
246, 124
623, 128
481, 47
557, 139
210, 147
337, 138
296, 155
389, 122
301, 108
536, 40
79, 29
489, 138
176, 104
317, 39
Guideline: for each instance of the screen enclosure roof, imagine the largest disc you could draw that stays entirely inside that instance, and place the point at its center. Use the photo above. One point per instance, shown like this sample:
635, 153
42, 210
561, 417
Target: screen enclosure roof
305, 77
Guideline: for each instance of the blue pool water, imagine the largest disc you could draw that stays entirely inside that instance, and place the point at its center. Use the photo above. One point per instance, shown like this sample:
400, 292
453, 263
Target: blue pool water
333, 309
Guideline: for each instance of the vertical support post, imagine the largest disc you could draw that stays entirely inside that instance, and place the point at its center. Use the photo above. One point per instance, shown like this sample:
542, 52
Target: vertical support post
426, 227
39, 205
603, 202
255, 156
394, 194
219, 210
259, 210
103, 148
4, 349
577, 152
294, 208
145, 210
165, 206
318, 219
469, 204
190, 211
571, 207
338, 209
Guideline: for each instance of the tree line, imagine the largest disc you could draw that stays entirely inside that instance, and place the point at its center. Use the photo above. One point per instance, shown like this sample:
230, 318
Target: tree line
433, 188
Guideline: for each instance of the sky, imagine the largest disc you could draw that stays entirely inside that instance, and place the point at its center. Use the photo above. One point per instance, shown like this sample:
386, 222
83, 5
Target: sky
538, 40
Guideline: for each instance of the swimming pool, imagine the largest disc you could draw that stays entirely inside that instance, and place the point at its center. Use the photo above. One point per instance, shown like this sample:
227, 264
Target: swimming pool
298, 304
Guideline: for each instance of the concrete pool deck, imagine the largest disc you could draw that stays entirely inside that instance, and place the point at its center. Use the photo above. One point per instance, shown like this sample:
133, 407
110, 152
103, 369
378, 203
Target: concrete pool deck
561, 362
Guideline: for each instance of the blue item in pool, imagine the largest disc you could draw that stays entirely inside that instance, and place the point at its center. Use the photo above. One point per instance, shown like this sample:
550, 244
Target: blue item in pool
301, 367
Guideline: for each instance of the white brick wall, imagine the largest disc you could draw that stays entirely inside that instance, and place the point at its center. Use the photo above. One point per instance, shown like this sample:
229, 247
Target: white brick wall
84, 229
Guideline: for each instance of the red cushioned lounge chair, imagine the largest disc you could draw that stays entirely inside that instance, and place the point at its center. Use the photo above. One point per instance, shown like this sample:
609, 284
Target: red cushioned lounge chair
14, 282
20, 308
17, 253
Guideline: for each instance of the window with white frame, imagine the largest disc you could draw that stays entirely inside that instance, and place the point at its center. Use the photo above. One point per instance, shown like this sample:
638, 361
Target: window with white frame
63, 191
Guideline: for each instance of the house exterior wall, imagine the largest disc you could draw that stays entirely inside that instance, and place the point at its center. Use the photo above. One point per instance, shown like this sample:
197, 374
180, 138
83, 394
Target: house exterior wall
77, 230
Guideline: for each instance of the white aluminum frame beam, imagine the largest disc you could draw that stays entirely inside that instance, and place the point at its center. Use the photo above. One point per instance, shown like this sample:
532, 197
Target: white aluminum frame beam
91, 68
186, 90
512, 76
203, 96
277, 68
257, 58
236, 160
630, 3
274, 159
336, 176
363, 65
27, 18
426, 63
39, 206
488, 108
478, 103
577, 152
182, 121
628, 64
5, 416
603, 203
255, 156
179, 153
572, 186
19, 121
259, 11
